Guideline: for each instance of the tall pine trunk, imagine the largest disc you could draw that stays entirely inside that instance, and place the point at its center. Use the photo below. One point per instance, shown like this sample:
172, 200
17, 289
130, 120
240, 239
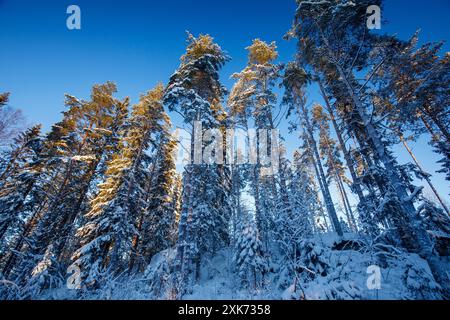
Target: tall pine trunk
356, 186
321, 175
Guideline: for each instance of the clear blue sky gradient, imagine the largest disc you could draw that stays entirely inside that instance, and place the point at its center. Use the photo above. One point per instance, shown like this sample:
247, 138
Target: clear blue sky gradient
138, 43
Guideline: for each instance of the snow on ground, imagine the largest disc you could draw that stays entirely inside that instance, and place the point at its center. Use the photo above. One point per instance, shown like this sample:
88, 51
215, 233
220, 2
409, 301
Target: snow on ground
333, 269
219, 282
403, 275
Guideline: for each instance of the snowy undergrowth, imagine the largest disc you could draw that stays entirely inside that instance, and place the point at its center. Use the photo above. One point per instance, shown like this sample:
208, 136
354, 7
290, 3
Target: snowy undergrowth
330, 269
339, 269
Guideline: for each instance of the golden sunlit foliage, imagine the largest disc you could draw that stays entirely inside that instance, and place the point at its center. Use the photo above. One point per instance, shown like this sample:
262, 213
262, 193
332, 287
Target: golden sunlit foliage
242, 92
261, 53
4, 98
200, 46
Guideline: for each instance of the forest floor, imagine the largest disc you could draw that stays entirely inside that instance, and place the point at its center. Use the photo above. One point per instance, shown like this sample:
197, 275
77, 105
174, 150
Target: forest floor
337, 269
343, 270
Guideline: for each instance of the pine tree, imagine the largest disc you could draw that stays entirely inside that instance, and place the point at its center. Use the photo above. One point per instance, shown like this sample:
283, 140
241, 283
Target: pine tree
329, 152
283, 178
296, 218
437, 224
412, 96
195, 92
294, 80
240, 102
158, 221
249, 257
330, 36
106, 236
424, 174
252, 97
413, 88
20, 193
355, 184
304, 194
17, 179
72, 154
22, 146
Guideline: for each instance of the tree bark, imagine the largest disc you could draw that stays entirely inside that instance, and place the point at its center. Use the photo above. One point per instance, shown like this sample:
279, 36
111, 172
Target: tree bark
321, 176
356, 186
414, 228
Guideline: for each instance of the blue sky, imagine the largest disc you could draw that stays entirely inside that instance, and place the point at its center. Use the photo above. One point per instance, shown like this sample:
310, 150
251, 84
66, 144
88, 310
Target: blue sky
138, 43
